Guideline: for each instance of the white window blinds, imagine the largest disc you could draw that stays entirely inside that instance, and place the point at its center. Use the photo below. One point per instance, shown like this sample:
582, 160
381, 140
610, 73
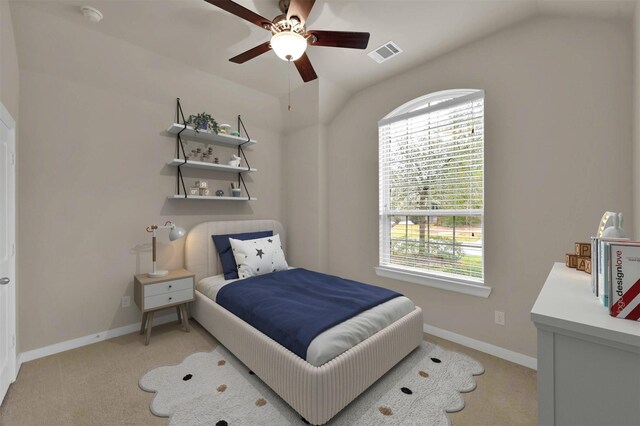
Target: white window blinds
431, 186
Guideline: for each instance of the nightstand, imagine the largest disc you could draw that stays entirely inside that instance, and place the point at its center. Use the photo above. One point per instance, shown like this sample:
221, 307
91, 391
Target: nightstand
153, 294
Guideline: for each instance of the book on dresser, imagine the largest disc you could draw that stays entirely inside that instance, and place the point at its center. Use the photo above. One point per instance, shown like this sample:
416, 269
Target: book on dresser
624, 284
603, 264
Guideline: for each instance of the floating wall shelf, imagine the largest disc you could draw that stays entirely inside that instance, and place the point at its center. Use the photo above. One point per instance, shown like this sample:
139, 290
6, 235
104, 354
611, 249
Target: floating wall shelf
209, 166
210, 197
202, 136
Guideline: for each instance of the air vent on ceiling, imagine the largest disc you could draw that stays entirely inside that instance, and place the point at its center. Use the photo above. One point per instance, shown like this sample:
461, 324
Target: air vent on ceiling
385, 52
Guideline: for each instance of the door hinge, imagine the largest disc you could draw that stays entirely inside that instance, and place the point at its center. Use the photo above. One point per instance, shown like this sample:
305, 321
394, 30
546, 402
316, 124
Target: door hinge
12, 158
13, 249
13, 341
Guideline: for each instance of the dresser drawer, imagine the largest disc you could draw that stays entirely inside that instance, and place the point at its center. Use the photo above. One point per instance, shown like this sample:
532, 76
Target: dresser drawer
151, 302
168, 287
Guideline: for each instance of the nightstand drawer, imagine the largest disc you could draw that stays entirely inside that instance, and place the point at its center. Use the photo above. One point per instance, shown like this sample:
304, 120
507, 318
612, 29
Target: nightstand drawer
168, 287
151, 302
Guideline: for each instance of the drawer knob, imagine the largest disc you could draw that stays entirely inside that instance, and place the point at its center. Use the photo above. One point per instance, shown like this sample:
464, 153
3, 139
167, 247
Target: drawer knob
170, 298
170, 286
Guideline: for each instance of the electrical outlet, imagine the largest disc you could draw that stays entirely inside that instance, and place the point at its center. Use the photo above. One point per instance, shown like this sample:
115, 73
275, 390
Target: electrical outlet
126, 301
499, 317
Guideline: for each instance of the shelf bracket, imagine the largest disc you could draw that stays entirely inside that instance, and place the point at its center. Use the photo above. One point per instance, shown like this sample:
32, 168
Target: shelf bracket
240, 150
241, 154
180, 147
241, 181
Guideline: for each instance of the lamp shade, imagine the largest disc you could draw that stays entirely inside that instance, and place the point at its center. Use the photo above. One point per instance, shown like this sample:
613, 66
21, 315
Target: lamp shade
289, 46
176, 233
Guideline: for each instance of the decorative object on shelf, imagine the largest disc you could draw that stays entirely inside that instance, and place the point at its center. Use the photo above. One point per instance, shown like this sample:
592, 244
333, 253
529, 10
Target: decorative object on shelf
216, 160
175, 233
196, 154
202, 184
224, 129
615, 230
203, 122
204, 192
235, 161
235, 190
235, 133
219, 193
194, 190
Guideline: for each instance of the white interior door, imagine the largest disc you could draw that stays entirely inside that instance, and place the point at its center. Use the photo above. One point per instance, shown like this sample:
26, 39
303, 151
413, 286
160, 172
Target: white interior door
7, 251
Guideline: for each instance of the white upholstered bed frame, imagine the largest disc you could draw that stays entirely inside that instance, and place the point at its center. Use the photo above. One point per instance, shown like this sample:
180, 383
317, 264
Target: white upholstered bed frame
317, 393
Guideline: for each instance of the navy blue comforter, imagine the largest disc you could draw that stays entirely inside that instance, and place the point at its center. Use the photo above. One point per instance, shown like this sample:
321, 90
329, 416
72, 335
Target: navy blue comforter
293, 307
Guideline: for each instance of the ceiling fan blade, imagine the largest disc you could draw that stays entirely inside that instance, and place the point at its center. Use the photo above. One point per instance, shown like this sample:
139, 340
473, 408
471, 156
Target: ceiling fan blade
305, 68
348, 39
300, 8
242, 12
252, 53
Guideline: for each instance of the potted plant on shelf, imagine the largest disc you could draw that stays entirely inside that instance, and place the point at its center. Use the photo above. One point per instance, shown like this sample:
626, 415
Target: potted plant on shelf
203, 122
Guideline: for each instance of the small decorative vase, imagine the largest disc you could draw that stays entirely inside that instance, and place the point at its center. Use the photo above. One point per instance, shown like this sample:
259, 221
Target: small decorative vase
219, 193
236, 192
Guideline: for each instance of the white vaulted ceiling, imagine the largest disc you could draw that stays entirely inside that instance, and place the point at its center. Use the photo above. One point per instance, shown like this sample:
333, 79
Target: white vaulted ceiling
205, 37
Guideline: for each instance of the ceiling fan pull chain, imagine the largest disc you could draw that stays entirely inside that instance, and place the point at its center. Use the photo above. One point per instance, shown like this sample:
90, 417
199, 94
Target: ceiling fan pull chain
289, 77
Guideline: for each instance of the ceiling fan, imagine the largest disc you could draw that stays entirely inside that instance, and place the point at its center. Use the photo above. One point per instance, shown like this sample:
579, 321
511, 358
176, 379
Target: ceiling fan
289, 36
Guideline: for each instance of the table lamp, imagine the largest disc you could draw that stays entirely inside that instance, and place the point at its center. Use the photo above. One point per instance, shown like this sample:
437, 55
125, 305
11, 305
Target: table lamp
175, 234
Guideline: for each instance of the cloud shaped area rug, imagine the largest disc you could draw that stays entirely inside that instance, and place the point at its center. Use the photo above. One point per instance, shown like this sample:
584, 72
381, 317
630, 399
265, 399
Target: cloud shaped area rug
215, 388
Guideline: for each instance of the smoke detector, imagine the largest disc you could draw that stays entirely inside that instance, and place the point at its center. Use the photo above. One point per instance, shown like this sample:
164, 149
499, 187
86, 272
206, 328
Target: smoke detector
385, 52
91, 13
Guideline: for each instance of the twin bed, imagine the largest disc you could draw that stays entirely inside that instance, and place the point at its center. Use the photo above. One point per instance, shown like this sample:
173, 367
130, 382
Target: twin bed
340, 363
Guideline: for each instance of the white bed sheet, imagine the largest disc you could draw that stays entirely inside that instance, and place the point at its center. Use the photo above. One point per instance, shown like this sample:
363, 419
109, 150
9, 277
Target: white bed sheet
342, 337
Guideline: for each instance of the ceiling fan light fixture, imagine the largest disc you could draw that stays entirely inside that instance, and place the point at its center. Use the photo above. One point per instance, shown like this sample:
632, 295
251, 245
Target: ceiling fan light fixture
289, 46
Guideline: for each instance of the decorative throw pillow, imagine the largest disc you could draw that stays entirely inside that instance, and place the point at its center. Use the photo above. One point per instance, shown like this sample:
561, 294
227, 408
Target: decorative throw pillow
223, 246
258, 257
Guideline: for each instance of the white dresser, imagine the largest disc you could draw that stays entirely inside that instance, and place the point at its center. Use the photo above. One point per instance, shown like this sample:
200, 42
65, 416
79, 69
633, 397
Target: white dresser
588, 361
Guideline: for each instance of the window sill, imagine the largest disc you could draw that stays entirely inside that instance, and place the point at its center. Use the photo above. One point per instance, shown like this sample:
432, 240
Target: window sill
444, 283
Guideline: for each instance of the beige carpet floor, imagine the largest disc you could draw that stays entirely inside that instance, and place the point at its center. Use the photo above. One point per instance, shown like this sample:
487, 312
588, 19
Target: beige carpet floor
98, 384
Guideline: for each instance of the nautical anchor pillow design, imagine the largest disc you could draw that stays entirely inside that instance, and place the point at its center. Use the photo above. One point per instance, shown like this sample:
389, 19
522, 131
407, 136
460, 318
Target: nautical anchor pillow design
258, 257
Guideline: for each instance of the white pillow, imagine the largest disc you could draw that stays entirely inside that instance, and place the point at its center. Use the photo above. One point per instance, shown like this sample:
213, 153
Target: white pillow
258, 257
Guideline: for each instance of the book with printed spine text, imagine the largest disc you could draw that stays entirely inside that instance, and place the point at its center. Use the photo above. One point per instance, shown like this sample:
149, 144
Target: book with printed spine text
624, 288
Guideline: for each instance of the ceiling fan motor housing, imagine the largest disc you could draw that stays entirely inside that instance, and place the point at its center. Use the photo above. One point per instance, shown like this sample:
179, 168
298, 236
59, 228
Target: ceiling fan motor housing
281, 24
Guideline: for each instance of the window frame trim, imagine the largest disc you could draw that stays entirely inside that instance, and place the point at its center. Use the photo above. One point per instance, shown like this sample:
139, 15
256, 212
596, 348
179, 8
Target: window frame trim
470, 286
389, 119
432, 279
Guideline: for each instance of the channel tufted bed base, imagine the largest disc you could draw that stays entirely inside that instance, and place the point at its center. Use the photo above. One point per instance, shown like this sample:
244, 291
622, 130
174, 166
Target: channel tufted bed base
317, 393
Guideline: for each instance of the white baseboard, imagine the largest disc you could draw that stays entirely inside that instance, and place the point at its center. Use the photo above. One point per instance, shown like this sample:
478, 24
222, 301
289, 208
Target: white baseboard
478, 345
87, 340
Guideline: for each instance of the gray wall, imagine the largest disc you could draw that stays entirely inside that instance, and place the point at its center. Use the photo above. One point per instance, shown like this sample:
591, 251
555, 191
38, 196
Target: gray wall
93, 171
557, 134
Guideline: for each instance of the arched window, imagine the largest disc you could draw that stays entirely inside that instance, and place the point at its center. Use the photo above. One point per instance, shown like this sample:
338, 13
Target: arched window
431, 153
